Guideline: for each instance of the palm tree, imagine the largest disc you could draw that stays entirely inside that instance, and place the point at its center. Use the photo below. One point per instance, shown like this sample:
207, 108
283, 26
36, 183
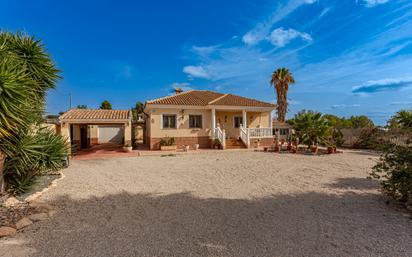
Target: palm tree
402, 119
281, 78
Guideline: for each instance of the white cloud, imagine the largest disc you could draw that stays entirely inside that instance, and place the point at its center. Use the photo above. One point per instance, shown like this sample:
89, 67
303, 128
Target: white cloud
281, 37
196, 72
372, 3
262, 29
341, 106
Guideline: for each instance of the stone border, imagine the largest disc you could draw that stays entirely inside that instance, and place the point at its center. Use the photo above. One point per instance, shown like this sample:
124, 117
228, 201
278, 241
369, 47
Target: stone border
43, 212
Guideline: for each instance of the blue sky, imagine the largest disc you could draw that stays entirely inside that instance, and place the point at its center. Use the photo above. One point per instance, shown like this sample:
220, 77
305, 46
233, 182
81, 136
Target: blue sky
348, 57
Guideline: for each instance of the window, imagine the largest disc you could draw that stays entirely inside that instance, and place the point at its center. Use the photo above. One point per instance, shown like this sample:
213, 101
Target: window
237, 121
195, 121
169, 121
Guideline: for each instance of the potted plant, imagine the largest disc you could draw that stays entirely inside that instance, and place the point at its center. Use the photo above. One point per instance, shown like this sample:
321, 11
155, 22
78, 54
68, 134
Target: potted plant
314, 148
167, 144
334, 148
289, 147
127, 148
216, 144
330, 149
294, 149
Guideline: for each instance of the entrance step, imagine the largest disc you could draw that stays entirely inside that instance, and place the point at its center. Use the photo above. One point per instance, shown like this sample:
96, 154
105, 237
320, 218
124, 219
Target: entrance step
232, 143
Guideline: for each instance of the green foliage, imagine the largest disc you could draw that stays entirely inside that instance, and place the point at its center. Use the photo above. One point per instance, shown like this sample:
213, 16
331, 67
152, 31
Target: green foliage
167, 141
31, 154
336, 137
402, 119
15, 97
352, 122
281, 78
311, 127
26, 73
137, 110
395, 170
106, 105
81, 106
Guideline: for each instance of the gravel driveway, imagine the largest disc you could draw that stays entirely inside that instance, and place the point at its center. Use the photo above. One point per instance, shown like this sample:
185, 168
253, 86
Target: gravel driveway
230, 203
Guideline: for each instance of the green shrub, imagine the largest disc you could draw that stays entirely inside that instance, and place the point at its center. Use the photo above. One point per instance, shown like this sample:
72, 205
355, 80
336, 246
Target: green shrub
395, 170
167, 141
31, 154
311, 127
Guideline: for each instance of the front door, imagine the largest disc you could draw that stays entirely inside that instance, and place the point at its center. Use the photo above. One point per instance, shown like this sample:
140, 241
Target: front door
83, 137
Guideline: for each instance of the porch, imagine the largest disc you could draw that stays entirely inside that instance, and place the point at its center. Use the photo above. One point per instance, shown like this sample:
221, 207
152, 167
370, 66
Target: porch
251, 128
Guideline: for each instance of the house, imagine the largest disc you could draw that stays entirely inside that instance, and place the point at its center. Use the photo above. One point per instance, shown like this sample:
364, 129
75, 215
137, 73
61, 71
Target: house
201, 117
85, 127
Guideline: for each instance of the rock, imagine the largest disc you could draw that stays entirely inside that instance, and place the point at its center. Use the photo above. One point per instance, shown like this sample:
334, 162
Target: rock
11, 202
38, 217
409, 207
7, 231
41, 206
24, 222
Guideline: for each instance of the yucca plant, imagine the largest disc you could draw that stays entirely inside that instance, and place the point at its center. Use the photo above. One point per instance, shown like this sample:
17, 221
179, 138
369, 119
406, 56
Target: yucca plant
26, 73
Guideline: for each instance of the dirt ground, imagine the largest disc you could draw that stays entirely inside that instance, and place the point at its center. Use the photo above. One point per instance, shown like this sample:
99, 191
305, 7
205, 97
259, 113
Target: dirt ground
223, 203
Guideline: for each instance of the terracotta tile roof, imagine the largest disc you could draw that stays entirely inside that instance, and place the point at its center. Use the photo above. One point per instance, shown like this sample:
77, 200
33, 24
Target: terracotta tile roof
204, 98
89, 114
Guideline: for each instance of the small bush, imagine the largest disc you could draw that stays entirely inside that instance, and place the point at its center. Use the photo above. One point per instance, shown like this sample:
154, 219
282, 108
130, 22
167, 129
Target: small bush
167, 141
395, 170
370, 138
32, 154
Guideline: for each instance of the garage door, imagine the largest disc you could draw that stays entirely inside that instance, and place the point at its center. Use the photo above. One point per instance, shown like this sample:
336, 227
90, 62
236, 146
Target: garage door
111, 134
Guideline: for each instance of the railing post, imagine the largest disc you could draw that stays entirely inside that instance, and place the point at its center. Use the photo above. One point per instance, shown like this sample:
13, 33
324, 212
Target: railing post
248, 137
224, 139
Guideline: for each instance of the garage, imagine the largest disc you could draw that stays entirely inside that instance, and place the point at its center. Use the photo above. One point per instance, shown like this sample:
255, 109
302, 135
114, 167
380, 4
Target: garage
110, 134
95, 130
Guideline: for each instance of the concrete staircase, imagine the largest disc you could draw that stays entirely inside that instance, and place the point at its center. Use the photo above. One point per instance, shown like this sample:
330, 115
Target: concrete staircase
233, 143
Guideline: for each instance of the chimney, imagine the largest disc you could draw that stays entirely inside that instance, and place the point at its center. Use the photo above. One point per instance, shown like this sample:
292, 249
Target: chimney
178, 90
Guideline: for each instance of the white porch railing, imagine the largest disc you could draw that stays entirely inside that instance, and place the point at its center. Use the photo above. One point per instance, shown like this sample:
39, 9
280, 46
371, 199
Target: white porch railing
261, 132
220, 135
244, 135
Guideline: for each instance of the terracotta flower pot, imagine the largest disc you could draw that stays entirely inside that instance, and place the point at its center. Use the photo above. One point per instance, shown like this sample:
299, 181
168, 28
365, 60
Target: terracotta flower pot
314, 149
330, 149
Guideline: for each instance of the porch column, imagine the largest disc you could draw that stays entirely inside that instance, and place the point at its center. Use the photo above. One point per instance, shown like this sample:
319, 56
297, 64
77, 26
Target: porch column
244, 119
213, 123
270, 120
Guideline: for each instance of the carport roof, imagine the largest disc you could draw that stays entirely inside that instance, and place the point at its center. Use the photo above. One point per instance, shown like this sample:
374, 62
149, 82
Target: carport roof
95, 115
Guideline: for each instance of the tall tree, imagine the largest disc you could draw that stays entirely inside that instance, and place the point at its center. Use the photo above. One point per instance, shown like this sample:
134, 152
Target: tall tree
281, 78
106, 105
139, 107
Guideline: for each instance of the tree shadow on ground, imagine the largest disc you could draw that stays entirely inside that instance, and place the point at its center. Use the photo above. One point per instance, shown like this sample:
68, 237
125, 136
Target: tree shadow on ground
182, 224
